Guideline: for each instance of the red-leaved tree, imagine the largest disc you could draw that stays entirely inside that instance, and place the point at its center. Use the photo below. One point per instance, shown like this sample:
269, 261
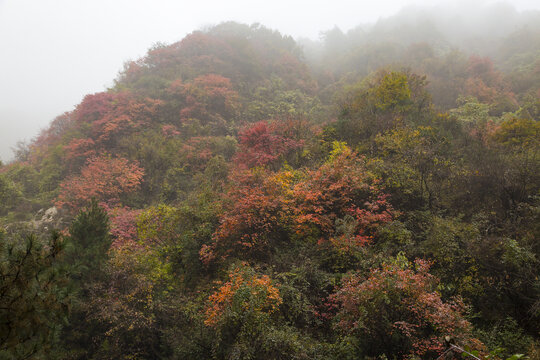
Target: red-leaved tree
112, 115
103, 178
263, 143
396, 311
341, 202
124, 226
257, 208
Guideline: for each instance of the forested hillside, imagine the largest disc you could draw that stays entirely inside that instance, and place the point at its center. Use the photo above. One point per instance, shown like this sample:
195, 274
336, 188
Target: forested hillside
239, 195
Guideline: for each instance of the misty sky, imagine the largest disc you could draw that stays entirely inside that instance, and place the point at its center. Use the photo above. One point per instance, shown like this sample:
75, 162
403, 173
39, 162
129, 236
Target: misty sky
53, 52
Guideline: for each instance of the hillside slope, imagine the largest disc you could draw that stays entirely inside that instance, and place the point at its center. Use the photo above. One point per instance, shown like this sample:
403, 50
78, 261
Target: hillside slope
229, 199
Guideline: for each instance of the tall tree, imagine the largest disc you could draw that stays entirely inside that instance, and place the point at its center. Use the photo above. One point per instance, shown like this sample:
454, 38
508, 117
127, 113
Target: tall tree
86, 256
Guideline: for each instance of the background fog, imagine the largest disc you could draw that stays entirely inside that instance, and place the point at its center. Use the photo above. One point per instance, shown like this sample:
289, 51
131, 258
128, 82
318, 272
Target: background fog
54, 52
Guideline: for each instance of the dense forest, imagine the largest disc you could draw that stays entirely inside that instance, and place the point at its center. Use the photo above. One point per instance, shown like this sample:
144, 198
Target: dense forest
243, 195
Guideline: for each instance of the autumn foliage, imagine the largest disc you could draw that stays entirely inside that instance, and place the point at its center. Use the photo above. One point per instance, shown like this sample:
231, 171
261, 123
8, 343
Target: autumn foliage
244, 293
263, 143
341, 189
340, 202
123, 226
259, 205
103, 178
206, 100
247, 203
397, 311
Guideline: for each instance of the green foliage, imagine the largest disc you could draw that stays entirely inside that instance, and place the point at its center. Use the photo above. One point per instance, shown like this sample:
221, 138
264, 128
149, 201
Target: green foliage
240, 311
471, 111
158, 225
88, 243
392, 92
132, 305
507, 338
86, 256
33, 296
381, 103
275, 101
451, 244
519, 133
10, 194
418, 164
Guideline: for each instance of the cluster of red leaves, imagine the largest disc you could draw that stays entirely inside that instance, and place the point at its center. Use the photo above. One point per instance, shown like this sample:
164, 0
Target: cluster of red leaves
484, 132
485, 82
263, 143
80, 147
477, 88
113, 114
262, 206
197, 151
93, 107
169, 131
339, 188
295, 73
245, 292
100, 120
78, 150
110, 116
123, 226
103, 178
206, 97
400, 300
483, 68
258, 206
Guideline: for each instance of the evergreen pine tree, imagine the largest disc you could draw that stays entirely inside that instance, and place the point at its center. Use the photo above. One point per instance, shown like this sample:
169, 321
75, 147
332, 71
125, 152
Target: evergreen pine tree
33, 296
86, 257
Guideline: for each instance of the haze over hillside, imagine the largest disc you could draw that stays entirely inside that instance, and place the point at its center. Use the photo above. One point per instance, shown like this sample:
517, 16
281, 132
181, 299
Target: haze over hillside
55, 53
236, 194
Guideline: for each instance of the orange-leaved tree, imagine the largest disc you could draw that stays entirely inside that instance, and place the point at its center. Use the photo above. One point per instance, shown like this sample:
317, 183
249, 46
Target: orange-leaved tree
245, 296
